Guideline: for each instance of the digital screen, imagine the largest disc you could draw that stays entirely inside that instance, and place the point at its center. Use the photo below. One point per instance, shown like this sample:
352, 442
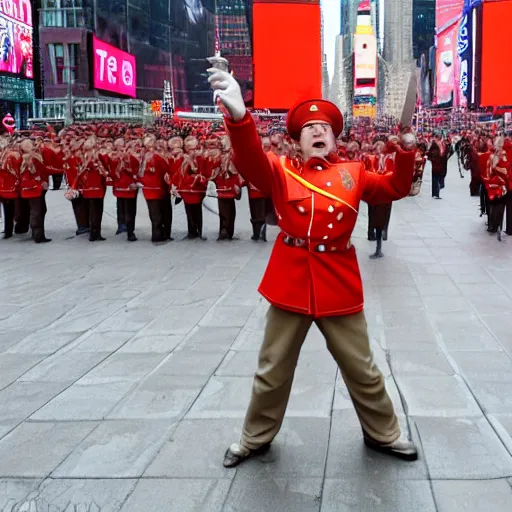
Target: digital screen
114, 70
495, 88
447, 12
287, 53
16, 46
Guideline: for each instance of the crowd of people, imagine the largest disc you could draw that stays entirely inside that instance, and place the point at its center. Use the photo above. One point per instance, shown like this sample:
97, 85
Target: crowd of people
174, 162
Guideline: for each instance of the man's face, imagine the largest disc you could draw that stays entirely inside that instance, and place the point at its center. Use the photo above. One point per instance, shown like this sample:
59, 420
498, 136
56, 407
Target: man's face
317, 140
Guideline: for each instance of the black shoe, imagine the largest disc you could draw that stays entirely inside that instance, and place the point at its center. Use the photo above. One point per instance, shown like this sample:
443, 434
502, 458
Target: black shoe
121, 229
42, 240
237, 454
255, 237
96, 238
377, 255
7, 236
82, 231
132, 238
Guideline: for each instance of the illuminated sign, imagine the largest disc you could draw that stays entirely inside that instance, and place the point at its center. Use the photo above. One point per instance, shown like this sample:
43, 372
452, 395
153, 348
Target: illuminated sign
114, 70
16, 47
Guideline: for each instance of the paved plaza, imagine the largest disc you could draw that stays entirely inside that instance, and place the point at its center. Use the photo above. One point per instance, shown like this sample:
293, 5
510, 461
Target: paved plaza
125, 371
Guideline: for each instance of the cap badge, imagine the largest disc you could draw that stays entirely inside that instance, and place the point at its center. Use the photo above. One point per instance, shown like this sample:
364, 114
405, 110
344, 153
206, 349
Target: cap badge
313, 108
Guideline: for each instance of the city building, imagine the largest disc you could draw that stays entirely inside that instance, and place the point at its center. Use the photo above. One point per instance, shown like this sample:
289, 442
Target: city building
423, 27
16, 61
170, 40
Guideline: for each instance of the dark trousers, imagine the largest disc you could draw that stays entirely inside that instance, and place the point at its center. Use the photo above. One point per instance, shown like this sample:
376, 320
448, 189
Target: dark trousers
9, 208
128, 207
258, 209
121, 216
227, 216
496, 213
81, 212
37, 214
483, 200
437, 180
157, 219
57, 181
378, 220
21, 216
95, 217
194, 220
167, 216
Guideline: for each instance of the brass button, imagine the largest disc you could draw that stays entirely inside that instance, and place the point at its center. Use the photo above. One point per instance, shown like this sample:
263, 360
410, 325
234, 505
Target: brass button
330, 209
330, 226
326, 237
321, 248
340, 216
328, 184
301, 209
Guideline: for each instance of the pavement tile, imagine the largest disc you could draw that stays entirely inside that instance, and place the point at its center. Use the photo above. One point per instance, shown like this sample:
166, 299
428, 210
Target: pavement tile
227, 316
211, 339
186, 362
473, 496
64, 367
463, 448
21, 399
179, 495
11, 338
377, 494
94, 341
13, 366
151, 344
274, 493
80, 495
159, 396
84, 402
196, 450
44, 342
13, 492
420, 363
443, 396
123, 368
34, 450
349, 458
116, 449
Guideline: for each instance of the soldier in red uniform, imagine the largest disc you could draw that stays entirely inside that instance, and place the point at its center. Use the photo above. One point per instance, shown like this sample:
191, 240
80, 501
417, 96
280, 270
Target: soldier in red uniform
192, 187
313, 274
92, 181
155, 189
122, 167
228, 183
10, 162
34, 185
72, 162
258, 204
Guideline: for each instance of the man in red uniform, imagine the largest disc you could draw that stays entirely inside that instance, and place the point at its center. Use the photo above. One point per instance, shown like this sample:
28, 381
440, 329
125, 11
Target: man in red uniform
34, 185
313, 274
10, 162
258, 204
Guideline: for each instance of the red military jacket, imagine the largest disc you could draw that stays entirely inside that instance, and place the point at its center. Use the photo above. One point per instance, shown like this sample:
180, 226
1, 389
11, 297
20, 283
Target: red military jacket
53, 159
123, 174
313, 268
152, 176
228, 185
10, 175
34, 176
92, 179
191, 183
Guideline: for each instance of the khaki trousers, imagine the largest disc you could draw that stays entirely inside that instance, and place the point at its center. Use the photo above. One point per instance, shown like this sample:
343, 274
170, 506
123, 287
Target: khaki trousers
348, 342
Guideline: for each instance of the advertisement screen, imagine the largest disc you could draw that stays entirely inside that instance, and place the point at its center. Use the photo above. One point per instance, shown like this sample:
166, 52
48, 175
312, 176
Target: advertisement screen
114, 70
447, 67
495, 88
16, 47
287, 53
447, 12
365, 57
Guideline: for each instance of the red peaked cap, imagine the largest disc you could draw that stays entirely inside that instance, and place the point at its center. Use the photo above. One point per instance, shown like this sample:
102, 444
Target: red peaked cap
314, 110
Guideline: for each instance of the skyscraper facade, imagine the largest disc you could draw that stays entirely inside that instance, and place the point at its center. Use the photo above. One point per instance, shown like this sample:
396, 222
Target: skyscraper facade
423, 26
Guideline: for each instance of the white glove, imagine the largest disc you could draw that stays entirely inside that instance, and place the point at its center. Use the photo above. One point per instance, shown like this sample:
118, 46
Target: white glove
228, 92
409, 140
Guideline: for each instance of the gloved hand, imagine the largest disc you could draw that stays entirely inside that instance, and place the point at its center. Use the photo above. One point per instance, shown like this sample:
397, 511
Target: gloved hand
227, 91
408, 139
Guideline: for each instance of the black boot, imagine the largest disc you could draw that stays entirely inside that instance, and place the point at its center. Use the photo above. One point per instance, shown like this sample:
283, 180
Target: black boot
263, 233
378, 253
132, 237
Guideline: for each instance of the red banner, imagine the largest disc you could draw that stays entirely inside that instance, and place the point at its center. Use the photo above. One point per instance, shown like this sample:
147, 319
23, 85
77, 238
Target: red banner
447, 12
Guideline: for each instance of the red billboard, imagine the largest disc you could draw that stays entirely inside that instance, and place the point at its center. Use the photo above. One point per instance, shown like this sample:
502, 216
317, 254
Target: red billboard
113, 69
496, 72
287, 52
447, 13
16, 47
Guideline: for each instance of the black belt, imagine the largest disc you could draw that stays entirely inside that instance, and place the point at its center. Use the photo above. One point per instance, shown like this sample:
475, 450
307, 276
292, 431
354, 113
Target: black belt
303, 244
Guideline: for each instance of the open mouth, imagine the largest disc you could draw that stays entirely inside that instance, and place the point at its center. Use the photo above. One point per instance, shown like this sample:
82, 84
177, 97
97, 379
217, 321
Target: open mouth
319, 145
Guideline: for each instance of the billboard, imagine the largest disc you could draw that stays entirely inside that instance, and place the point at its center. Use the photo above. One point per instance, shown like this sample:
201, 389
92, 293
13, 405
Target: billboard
287, 64
496, 72
16, 47
113, 69
447, 67
447, 13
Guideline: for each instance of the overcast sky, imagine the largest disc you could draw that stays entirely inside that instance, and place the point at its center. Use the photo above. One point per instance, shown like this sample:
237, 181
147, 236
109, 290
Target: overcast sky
331, 12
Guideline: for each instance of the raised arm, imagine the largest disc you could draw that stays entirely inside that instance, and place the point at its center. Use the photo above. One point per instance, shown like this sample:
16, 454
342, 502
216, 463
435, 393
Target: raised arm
384, 188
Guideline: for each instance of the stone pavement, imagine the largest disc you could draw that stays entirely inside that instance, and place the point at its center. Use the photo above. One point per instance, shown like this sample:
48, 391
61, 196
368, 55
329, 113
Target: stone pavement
125, 371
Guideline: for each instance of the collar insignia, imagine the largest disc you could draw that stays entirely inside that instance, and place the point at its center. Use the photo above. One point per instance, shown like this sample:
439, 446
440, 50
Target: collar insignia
313, 108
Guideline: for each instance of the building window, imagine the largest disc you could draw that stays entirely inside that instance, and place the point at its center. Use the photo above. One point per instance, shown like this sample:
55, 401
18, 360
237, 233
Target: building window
63, 13
64, 62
